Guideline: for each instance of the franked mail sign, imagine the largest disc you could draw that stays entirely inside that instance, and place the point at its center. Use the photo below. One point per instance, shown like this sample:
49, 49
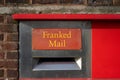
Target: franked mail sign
56, 39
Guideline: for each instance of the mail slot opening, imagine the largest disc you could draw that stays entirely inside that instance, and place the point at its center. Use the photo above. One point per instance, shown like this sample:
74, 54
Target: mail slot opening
57, 64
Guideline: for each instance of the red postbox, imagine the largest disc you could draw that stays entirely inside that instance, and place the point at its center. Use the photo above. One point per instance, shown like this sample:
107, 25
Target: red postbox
104, 40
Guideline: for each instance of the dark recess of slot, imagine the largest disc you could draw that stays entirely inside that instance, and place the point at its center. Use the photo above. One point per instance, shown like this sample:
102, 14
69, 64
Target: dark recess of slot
56, 64
56, 60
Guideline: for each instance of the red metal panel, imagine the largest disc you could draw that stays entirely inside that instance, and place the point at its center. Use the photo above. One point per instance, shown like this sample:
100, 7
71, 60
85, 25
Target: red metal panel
106, 49
66, 16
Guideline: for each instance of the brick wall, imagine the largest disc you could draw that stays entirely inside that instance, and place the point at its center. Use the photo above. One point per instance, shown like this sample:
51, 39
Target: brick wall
89, 2
8, 48
9, 27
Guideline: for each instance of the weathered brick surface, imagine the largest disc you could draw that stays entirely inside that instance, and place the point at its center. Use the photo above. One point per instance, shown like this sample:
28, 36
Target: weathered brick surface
1, 2
10, 28
10, 46
13, 78
116, 2
17, 1
9, 19
1, 18
90, 2
56, 1
71, 1
12, 73
2, 64
2, 55
8, 64
100, 2
1, 37
12, 37
11, 64
1, 73
44, 1
12, 55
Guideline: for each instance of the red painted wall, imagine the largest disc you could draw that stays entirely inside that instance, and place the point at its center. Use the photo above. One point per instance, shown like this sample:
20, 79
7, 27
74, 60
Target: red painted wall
106, 49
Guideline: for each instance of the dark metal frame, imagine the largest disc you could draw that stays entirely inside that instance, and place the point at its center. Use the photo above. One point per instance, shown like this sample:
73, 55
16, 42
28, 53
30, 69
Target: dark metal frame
27, 55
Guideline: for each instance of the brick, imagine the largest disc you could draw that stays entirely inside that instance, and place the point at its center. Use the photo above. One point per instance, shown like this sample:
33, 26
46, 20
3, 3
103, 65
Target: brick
44, 1
1, 2
56, 1
71, 1
1, 46
17, 1
11, 64
12, 37
11, 1
100, 2
8, 64
12, 73
12, 55
1, 37
1, 73
85, 2
2, 55
9, 46
10, 20
9, 28
2, 64
116, 2
66, 1
1, 18
14, 79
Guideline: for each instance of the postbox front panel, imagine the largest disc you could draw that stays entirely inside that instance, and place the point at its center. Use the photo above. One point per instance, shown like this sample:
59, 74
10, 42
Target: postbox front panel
55, 49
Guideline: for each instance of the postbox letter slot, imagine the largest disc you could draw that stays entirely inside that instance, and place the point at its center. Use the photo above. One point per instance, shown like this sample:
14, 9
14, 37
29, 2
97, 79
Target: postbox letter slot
57, 64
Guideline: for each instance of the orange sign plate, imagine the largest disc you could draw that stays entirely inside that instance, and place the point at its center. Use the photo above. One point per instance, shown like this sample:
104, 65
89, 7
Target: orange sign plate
56, 39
